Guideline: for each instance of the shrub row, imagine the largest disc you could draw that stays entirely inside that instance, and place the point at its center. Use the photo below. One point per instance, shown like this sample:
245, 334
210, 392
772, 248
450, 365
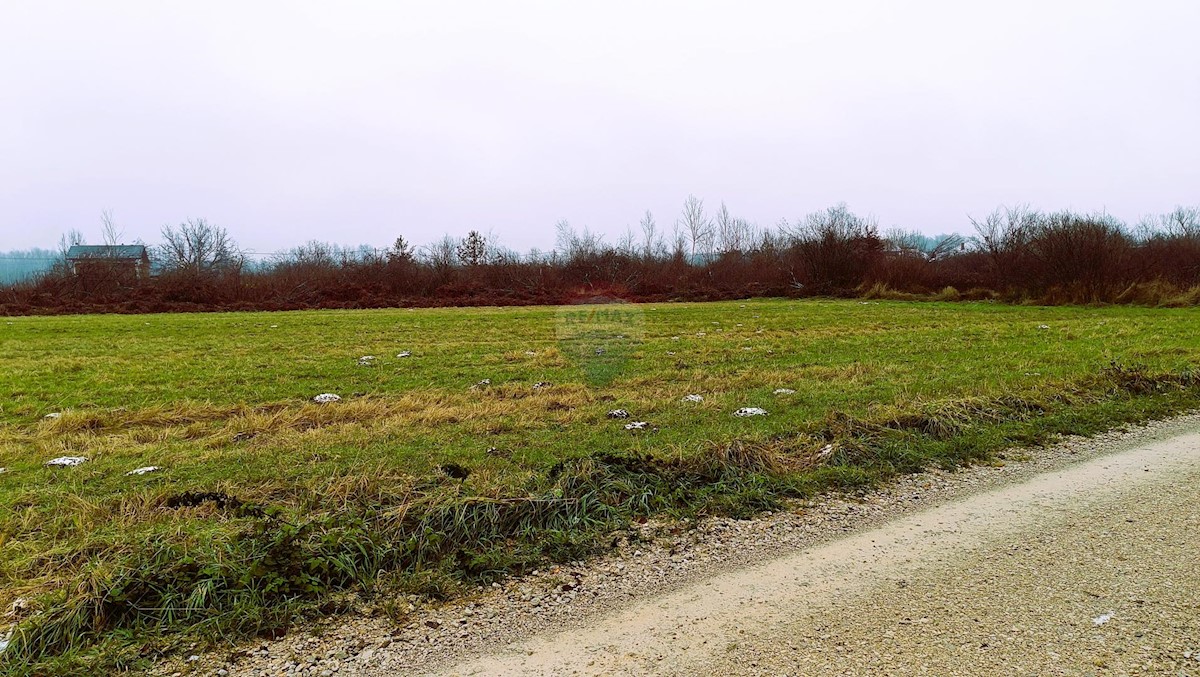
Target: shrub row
1017, 255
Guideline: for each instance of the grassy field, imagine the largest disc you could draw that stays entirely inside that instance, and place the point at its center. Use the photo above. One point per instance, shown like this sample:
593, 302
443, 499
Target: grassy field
269, 507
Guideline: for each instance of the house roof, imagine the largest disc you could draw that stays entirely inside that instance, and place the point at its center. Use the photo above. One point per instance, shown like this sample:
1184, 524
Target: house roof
106, 251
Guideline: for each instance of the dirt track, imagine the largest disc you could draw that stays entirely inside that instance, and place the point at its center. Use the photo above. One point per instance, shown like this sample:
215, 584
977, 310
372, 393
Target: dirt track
1016, 580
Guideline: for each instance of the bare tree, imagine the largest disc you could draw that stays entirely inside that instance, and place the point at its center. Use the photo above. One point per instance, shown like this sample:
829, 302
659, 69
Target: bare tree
725, 230
109, 230
678, 242
65, 242
69, 239
1008, 229
625, 245
652, 243
698, 226
907, 241
1181, 222
733, 234
441, 254
198, 247
576, 245
944, 245
311, 254
1005, 235
835, 248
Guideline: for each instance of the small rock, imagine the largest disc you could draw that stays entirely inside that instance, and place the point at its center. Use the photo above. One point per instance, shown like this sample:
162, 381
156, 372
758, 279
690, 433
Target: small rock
636, 425
542, 384
144, 470
404, 353
19, 606
53, 415
326, 398
66, 461
784, 391
750, 411
618, 413
693, 398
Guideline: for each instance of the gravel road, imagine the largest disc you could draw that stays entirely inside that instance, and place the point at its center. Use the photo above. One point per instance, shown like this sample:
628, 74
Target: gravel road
1091, 569
1078, 559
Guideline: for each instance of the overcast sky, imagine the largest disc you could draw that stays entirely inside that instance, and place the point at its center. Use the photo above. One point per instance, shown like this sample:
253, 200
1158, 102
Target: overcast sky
355, 122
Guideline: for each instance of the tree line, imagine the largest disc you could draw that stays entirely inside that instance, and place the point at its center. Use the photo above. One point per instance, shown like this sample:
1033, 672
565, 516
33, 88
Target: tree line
1014, 254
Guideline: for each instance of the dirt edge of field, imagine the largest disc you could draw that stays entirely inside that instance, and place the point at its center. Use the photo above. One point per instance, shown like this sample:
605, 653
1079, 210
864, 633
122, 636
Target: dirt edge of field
649, 560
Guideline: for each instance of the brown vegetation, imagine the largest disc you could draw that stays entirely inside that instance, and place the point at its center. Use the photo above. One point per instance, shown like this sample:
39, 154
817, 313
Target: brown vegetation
1016, 255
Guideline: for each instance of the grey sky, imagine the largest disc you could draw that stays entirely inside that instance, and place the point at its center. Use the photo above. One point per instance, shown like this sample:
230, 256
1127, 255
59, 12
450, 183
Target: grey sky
356, 122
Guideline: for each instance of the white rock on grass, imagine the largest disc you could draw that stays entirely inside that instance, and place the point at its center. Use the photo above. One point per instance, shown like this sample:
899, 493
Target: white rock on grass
3, 470
636, 425
326, 398
366, 360
66, 461
825, 451
618, 413
693, 398
18, 608
404, 353
53, 415
1043, 326
784, 391
482, 384
750, 411
542, 384
143, 470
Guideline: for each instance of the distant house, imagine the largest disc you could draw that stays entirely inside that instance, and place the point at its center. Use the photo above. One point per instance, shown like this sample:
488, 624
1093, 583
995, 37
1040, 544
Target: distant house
111, 261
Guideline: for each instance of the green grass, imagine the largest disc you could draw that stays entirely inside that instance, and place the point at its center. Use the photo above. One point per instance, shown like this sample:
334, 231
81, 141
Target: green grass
299, 508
